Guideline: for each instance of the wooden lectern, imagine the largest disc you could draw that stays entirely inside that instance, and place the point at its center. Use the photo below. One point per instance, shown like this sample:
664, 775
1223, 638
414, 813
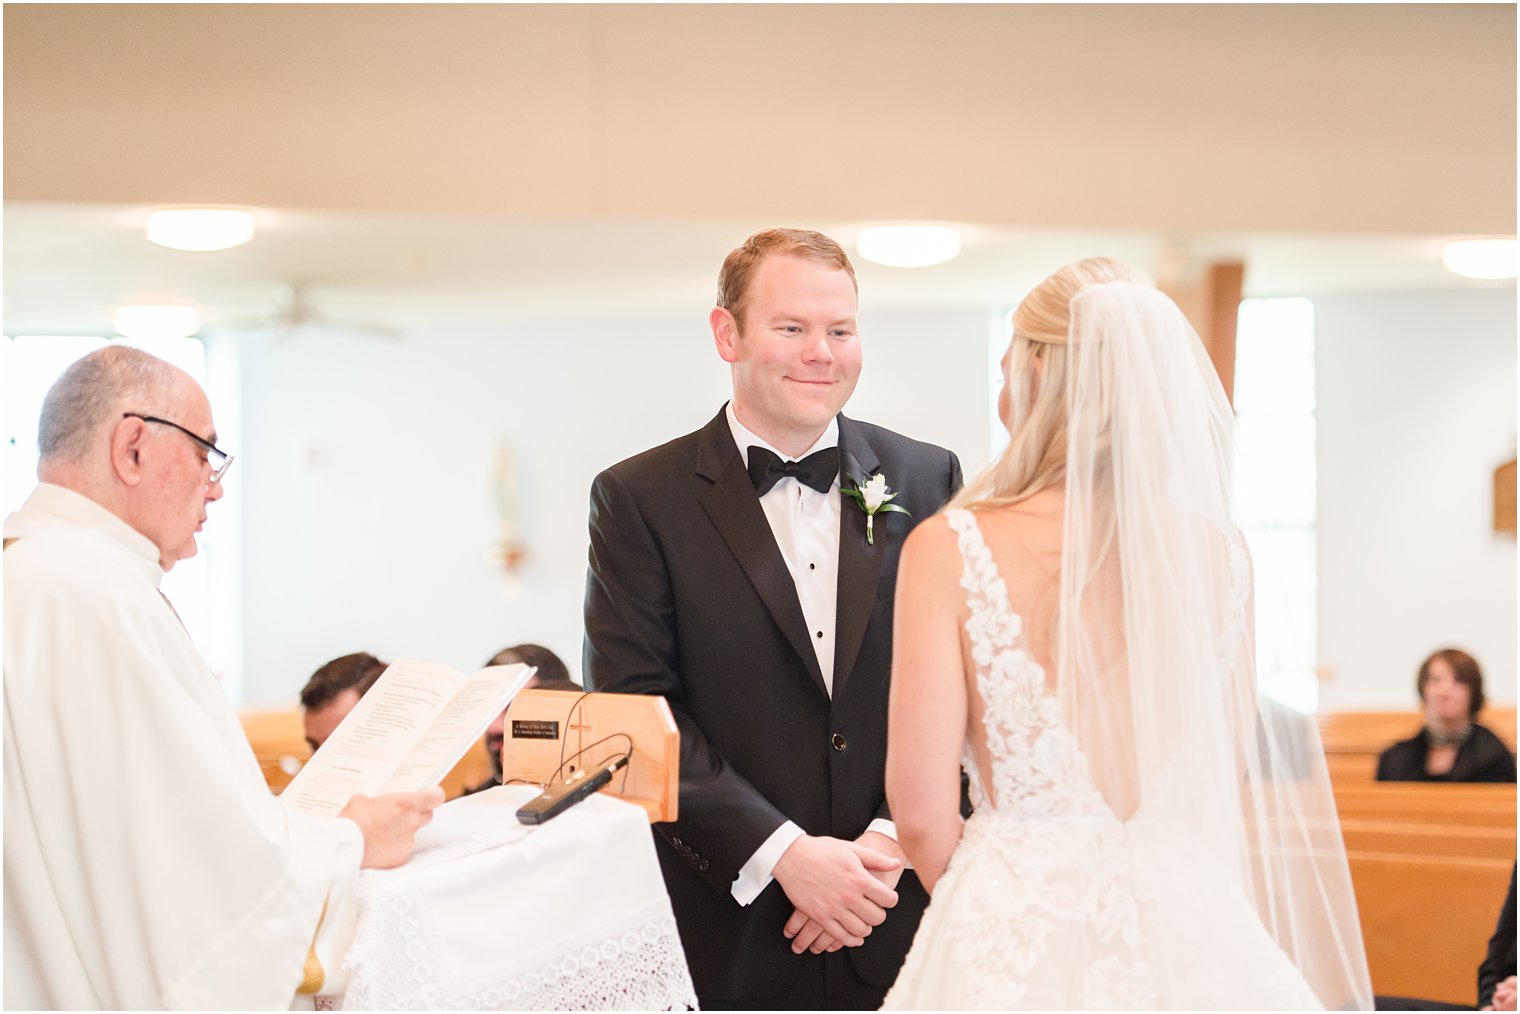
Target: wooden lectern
550, 734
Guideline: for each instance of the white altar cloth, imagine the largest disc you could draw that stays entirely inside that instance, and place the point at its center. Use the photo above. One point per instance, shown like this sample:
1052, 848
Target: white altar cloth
491, 915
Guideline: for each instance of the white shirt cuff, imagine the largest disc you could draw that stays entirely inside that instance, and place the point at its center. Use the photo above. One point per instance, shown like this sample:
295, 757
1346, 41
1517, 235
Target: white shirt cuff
755, 875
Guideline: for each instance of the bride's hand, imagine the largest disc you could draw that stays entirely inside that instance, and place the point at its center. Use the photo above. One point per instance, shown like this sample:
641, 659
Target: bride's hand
809, 936
879, 842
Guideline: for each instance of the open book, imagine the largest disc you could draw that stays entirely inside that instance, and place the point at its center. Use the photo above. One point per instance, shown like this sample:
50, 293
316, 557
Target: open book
405, 734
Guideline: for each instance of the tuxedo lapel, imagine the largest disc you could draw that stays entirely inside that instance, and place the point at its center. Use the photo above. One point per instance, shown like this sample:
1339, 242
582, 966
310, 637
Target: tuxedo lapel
735, 511
859, 563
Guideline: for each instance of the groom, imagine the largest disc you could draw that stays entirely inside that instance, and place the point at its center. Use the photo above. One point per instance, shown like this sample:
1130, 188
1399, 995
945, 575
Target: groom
730, 573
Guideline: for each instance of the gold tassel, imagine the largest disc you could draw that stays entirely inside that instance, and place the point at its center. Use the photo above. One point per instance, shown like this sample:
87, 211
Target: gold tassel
313, 976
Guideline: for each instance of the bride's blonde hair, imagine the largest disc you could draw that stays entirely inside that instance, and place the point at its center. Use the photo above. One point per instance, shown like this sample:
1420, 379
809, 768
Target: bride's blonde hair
1035, 458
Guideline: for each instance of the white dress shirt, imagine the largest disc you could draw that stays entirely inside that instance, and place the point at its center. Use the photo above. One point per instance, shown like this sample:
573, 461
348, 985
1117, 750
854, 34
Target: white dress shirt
805, 524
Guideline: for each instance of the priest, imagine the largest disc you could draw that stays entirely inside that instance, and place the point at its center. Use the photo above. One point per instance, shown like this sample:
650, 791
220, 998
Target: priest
146, 863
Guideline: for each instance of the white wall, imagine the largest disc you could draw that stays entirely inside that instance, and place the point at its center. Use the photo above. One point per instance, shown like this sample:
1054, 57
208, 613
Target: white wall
366, 469
1416, 408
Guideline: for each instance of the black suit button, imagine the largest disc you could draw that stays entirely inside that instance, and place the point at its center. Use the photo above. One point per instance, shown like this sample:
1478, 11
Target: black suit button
676, 842
839, 741
702, 866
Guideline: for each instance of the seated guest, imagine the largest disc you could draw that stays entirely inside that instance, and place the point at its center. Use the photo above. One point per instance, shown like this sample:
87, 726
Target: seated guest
332, 692
1496, 976
1452, 747
552, 675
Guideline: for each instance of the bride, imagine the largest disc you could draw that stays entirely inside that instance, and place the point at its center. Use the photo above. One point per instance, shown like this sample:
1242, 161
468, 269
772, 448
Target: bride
1074, 631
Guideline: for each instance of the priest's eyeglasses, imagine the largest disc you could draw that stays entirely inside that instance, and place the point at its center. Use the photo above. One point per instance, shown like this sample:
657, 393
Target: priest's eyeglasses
218, 459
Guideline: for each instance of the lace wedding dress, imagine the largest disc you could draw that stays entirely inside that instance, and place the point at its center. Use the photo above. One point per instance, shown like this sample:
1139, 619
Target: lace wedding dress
1050, 899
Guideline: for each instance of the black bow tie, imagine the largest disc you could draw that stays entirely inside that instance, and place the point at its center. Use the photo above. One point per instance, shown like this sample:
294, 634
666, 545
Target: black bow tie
816, 470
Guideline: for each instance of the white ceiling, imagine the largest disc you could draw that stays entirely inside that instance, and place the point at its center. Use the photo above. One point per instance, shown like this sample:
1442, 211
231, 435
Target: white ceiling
417, 164
1346, 118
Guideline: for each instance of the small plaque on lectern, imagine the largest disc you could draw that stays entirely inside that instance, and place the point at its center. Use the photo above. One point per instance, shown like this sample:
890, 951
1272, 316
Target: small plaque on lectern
555, 733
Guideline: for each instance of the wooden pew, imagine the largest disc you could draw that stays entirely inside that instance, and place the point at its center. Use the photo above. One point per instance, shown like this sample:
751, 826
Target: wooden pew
1427, 803
1433, 840
279, 744
1354, 739
1430, 864
1426, 920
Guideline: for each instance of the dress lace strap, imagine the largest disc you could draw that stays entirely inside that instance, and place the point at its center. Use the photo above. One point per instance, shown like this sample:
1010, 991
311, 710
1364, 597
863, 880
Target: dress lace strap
979, 575
976, 558
989, 617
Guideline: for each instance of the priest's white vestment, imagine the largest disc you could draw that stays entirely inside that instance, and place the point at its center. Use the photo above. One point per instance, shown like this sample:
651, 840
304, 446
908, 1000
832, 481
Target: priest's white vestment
146, 862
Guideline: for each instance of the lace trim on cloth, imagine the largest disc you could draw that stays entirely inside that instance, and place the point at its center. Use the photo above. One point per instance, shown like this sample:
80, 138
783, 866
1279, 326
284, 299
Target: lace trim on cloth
638, 965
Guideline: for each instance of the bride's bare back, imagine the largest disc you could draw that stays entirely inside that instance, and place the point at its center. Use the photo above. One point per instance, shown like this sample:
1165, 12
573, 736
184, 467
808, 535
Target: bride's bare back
1025, 541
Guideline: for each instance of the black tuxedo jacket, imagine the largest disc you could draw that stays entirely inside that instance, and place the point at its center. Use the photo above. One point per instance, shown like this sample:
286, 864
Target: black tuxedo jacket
688, 596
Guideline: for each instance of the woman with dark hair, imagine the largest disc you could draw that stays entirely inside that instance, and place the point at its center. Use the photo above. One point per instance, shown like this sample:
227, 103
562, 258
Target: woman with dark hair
1452, 747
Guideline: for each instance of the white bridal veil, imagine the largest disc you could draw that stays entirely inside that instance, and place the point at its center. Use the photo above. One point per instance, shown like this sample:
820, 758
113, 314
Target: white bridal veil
1227, 794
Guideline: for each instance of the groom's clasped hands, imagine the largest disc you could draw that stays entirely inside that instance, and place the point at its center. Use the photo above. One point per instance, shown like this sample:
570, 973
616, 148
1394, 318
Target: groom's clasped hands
841, 889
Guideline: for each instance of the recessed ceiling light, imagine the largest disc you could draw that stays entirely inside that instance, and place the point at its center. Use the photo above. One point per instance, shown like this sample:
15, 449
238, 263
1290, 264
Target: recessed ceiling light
1492, 257
143, 322
200, 228
908, 246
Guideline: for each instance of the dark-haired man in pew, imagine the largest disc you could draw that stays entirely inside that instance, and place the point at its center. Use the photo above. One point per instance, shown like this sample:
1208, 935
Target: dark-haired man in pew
332, 692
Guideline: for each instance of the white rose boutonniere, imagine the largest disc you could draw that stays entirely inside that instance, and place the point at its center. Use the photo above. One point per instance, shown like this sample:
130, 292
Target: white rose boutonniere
874, 496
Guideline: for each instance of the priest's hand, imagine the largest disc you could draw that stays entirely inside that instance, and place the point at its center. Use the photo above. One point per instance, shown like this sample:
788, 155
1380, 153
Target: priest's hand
390, 824
834, 883
808, 934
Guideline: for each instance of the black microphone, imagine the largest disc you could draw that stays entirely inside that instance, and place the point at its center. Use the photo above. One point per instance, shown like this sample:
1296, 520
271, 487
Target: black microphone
556, 799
